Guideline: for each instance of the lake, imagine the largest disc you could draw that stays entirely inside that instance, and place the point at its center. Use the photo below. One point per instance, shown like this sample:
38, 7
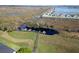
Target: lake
67, 9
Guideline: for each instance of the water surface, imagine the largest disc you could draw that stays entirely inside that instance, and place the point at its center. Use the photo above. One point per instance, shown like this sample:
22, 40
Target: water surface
67, 9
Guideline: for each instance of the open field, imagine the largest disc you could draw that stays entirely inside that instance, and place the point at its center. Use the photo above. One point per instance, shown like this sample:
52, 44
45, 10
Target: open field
63, 42
15, 43
23, 35
58, 43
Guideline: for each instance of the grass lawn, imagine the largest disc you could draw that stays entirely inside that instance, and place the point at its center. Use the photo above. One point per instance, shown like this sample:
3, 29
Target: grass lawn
9, 43
22, 35
17, 44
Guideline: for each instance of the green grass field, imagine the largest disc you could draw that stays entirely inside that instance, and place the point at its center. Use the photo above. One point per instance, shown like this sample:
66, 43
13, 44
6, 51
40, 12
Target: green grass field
24, 41
21, 40
9, 43
23, 35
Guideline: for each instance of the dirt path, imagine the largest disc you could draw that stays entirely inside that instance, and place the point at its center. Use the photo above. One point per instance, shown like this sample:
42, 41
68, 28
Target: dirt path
36, 43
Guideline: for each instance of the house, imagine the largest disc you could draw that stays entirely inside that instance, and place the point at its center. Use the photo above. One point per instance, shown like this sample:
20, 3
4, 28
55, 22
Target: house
5, 49
23, 27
